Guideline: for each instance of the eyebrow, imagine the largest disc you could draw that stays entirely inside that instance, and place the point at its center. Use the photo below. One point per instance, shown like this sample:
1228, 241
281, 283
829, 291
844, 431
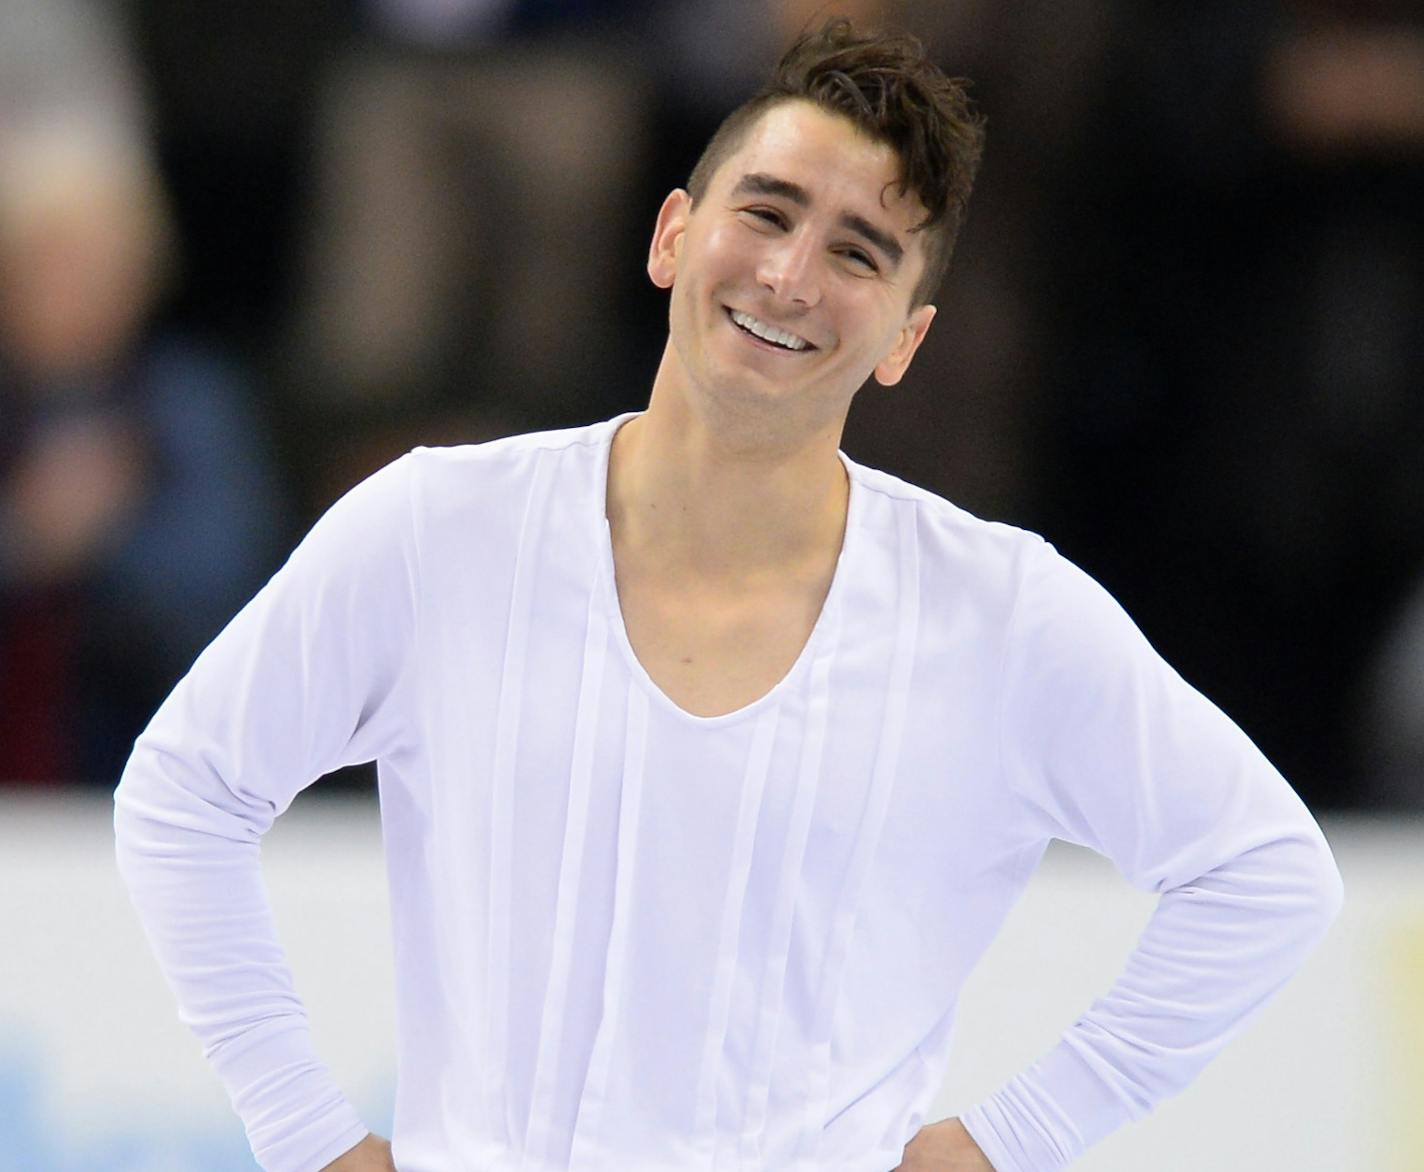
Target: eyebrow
760, 183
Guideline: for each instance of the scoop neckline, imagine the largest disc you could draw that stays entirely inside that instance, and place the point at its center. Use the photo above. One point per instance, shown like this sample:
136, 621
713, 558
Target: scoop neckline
607, 587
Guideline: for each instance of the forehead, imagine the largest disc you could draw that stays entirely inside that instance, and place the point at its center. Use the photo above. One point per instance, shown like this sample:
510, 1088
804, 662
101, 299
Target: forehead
828, 155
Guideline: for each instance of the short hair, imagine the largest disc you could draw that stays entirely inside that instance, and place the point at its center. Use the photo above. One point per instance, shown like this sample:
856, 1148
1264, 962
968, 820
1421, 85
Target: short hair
886, 84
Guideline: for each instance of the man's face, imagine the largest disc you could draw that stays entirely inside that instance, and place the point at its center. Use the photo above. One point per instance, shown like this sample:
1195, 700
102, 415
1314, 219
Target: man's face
791, 278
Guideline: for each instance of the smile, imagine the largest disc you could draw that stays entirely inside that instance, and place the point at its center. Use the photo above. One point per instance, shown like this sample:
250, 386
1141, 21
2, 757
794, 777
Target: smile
782, 339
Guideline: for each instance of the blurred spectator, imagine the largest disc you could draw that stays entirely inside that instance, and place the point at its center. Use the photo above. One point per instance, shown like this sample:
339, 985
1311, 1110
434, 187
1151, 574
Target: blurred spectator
136, 511
1392, 731
1232, 441
467, 262
231, 91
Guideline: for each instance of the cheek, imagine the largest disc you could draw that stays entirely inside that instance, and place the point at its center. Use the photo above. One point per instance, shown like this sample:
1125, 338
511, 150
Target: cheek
725, 247
687, 312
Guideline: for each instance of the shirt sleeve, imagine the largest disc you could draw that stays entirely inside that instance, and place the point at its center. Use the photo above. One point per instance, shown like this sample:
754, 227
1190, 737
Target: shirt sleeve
310, 676
1107, 747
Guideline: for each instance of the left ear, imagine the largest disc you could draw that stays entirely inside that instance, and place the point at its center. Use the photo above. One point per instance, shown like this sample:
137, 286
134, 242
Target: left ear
893, 366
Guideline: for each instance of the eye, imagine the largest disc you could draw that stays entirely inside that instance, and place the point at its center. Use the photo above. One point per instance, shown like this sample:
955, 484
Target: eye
767, 216
861, 258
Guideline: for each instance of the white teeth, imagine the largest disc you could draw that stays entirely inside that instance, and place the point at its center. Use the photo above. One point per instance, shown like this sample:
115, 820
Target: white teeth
769, 333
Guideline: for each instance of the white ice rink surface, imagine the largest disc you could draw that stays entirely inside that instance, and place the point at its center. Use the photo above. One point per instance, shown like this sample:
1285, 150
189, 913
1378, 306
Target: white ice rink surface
97, 1073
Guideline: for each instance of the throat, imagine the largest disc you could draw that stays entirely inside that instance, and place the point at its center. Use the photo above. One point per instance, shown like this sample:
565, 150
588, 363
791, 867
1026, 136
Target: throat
679, 500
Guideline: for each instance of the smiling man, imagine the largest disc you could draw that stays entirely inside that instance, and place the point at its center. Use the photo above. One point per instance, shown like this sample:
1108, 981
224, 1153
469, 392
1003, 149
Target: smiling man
711, 761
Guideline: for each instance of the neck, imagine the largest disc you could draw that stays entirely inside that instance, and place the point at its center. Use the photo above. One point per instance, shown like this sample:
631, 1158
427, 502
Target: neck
720, 503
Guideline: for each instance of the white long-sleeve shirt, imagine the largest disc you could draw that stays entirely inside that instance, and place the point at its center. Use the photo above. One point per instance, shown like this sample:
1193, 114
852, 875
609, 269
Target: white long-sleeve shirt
629, 939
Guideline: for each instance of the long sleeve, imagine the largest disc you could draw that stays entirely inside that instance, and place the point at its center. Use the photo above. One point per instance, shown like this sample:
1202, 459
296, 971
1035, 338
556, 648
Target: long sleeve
309, 676
1108, 748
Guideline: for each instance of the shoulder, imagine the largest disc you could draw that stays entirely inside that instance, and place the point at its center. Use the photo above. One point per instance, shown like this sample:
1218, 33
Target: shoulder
958, 551
1009, 577
496, 477
435, 492
510, 456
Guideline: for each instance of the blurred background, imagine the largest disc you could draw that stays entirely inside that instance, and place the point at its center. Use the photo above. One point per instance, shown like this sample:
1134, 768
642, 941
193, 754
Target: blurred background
250, 253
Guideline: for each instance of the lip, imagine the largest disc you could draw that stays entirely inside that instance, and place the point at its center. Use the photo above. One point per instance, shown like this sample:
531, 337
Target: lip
761, 344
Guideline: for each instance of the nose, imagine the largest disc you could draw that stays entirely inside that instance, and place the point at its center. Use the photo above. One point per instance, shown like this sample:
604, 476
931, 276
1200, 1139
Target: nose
788, 270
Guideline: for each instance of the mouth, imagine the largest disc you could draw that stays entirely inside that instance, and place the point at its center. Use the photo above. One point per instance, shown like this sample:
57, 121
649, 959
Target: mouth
770, 336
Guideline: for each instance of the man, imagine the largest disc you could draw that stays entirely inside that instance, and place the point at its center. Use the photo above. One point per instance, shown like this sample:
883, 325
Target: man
711, 761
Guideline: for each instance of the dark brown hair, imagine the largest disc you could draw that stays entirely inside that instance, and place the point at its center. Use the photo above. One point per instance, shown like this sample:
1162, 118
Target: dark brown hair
888, 87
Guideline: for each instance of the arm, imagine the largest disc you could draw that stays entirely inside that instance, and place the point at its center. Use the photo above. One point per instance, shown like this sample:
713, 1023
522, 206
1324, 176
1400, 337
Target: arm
1107, 747
308, 677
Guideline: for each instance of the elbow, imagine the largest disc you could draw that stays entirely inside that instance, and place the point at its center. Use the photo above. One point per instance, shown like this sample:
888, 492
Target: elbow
125, 806
1289, 885
1309, 888
170, 807
1329, 887
137, 829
